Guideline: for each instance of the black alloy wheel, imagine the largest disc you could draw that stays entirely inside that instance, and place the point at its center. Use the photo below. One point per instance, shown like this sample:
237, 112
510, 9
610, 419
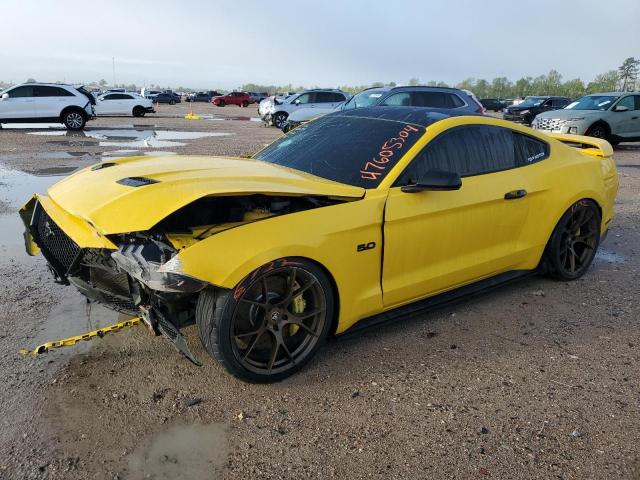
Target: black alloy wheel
598, 131
574, 241
271, 324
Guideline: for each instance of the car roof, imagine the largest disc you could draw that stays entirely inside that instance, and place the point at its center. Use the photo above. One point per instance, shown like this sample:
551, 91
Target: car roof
617, 94
423, 116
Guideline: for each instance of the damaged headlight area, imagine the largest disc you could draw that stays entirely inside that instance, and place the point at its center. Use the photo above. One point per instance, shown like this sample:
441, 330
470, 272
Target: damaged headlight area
155, 265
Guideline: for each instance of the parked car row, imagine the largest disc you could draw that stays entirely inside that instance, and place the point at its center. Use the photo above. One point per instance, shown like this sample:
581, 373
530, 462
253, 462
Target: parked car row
296, 109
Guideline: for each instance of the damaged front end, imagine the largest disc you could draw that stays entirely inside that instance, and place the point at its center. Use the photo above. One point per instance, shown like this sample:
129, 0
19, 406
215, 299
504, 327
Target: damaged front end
126, 278
140, 273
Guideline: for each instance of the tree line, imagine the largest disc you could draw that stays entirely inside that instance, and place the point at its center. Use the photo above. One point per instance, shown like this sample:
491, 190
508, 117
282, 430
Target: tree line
625, 78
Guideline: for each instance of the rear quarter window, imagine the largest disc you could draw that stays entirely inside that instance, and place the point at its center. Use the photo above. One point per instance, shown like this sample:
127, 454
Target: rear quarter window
529, 150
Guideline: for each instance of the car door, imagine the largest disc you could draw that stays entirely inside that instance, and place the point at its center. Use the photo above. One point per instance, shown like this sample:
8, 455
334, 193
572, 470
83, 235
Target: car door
19, 104
305, 100
50, 101
622, 122
125, 104
107, 104
437, 240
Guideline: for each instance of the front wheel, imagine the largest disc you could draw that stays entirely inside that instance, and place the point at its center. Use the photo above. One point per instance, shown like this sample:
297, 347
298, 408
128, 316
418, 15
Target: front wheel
574, 241
172, 102
279, 119
221, 103
598, 131
74, 120
138, 111
271, 324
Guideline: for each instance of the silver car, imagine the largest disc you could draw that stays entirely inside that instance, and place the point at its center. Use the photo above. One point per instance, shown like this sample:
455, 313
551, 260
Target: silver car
277, 111
614, 116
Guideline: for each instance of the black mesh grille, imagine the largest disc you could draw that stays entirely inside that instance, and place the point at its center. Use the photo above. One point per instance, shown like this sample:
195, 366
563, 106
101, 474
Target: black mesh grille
54, 243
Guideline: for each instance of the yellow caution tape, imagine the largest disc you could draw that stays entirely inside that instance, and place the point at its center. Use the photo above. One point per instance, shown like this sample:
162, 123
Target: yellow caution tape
67, 342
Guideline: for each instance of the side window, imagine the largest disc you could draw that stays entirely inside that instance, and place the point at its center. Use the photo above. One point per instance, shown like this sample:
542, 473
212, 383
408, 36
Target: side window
339, 97
127, 97
627, 102
637, 102
45, 91
402, 99
306, 98
456, 101
558, 102
112, 96
324, 97
529, 150
21, 92
468, 151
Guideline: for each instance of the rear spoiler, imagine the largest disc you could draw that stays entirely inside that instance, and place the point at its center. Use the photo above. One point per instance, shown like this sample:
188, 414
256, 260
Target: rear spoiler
596, 147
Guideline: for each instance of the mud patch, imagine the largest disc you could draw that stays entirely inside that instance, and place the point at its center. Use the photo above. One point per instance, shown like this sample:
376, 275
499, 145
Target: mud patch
183, 452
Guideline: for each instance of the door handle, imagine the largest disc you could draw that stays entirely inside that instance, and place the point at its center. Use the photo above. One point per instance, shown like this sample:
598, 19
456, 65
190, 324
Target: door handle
512, 195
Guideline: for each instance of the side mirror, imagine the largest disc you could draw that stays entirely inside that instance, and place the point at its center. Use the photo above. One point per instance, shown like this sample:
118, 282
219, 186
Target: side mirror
4, 96
617, 108
297, 102
435, 180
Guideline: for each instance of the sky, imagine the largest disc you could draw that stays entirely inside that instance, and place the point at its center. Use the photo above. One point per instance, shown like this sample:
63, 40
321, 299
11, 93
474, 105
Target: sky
224, 44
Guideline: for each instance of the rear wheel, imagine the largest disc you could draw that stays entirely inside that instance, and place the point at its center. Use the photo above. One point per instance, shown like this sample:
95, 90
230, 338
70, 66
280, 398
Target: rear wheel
271, 324
74, 120
138, 111
245, 104
574, 241
172, 102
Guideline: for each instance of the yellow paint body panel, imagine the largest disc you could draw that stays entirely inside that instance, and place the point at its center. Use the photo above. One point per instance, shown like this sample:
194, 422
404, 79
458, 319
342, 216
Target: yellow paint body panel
115, 208
433, 241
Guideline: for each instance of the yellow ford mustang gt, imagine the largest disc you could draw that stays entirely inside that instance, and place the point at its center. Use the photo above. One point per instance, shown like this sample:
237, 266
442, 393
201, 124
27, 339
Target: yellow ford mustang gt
349, 220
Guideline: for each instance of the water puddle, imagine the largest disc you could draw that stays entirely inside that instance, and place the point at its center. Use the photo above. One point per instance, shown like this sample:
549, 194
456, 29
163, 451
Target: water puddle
16, 187
12, 157
32, 126
607, 256
183, 452
130, 138
71, 315
214, 117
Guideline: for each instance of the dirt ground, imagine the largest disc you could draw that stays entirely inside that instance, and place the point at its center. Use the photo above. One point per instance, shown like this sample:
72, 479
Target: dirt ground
539, 379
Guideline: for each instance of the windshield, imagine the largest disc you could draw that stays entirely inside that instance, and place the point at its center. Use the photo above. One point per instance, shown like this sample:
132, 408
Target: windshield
353, 150
592, 102
366, 98
532, 101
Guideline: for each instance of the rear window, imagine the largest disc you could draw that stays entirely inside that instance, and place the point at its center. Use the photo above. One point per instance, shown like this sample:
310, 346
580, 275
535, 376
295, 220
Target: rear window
353, 150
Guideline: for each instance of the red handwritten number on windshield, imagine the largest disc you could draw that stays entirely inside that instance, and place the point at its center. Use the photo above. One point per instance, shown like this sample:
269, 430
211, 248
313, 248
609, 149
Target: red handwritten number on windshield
374, 168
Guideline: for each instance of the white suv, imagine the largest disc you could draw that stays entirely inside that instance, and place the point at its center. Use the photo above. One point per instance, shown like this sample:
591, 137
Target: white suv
276, 112
47, 103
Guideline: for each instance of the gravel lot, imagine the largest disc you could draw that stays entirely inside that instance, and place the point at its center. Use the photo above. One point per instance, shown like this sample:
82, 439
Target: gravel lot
539, 379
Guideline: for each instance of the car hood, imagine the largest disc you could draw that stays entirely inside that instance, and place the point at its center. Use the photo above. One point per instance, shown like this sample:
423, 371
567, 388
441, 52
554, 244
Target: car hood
97, 194
565, 114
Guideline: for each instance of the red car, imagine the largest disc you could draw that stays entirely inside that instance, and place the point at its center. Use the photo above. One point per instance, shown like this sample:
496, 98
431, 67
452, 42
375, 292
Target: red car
241, 99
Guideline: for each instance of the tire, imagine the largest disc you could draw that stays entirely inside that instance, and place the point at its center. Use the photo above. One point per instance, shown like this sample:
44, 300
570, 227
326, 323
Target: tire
172, 102
245, 104
221, 103
138, 111
286, 127
574, 241
278, 119
598, 130
283, 309
74, 119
